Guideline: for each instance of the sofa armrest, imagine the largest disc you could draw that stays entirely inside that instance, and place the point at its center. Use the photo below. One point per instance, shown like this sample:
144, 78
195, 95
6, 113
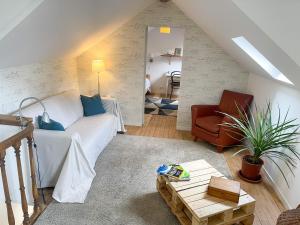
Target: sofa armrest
112, 106
50, 139
51, 134
298, 207
52, 150
109, 104
203, 110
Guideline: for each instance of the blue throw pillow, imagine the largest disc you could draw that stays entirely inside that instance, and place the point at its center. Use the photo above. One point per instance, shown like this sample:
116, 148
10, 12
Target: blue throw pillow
92, 105
53, 125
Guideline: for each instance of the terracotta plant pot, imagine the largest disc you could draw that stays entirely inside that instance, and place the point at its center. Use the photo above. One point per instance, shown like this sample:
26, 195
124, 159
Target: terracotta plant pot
250, 170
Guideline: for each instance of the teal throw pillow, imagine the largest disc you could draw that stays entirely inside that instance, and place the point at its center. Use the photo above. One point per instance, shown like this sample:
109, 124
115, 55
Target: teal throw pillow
53, 125
92, 105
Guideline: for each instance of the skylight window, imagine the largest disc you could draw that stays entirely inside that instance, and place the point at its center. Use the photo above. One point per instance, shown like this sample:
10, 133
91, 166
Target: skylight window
244, 44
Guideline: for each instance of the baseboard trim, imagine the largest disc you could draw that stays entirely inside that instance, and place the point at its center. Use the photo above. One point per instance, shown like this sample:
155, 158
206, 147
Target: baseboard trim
279, 193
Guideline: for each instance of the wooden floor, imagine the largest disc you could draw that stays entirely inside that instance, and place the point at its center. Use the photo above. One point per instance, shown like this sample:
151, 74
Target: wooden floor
268, 206
159, 126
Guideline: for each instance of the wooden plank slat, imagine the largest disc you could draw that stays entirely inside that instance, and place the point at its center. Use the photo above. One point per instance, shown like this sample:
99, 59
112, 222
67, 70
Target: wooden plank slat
205, 201
196, 197
201, 183
196, 179
196, 165
193, 191
202, 172
201, 196
221, 207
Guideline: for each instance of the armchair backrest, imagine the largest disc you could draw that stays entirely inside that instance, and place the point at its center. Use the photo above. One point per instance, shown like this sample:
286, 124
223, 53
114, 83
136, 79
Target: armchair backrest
173, 79
231, 100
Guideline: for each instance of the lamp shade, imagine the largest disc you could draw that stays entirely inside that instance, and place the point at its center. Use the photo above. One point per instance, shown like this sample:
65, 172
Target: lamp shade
98, 65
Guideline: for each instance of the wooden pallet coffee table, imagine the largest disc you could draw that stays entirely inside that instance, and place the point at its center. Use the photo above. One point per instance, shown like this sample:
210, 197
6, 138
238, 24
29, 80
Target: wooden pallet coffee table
192, 205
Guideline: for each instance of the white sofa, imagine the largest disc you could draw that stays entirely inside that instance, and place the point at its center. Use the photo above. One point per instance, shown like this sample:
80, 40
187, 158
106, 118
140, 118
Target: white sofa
67, 158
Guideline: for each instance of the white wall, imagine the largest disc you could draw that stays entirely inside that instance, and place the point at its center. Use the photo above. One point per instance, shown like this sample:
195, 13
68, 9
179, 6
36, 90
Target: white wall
40, 80
158, 44
286, 97
206, 69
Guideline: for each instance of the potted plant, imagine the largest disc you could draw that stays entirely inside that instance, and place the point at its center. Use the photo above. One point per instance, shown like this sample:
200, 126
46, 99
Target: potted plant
265, 138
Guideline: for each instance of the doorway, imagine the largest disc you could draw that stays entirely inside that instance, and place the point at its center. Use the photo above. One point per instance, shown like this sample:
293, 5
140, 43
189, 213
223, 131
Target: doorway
164, 52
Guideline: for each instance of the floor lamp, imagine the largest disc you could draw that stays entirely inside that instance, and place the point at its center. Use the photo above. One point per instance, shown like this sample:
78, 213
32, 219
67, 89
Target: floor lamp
98, 66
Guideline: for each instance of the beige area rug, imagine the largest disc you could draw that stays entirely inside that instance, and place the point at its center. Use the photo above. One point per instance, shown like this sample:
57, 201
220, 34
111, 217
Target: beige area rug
124, 191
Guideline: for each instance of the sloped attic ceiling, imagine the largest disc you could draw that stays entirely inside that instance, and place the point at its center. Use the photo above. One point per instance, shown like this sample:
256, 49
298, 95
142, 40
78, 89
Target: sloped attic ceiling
223, 20
12, 12
58, 28
279, 20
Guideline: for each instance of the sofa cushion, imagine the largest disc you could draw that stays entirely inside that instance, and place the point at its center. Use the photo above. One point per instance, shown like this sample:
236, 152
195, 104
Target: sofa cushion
95, 133
92, 105
65, 108
210, 123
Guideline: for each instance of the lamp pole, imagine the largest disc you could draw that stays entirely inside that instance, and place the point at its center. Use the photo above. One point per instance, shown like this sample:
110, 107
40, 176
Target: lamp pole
45, 116
99, 83
98, 66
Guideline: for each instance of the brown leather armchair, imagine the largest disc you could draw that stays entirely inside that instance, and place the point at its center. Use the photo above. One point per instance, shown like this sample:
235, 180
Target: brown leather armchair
207, 119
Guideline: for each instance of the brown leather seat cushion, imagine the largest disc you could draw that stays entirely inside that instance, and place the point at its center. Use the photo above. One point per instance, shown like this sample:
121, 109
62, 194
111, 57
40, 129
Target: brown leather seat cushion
210, 123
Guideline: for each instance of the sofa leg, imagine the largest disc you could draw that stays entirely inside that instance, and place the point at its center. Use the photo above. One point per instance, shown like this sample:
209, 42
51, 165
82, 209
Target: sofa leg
220, 148
195, 139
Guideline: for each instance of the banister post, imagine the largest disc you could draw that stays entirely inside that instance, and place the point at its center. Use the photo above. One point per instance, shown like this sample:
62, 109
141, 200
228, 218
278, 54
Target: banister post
33, 176
17, 146
10, 213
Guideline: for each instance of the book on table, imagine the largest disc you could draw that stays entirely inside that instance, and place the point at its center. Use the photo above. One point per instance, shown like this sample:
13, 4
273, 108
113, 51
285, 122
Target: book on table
224, 188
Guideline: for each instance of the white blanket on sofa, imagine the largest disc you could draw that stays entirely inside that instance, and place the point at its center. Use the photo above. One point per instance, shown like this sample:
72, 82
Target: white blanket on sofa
67, 159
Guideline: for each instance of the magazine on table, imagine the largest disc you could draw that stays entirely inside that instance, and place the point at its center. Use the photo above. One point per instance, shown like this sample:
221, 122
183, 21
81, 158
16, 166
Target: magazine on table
174, 172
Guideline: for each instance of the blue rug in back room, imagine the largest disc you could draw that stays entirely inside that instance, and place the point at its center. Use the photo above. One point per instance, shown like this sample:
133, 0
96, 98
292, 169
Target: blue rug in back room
160, 106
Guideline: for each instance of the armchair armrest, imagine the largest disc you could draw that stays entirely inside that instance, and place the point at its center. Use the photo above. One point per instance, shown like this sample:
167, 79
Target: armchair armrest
229, 131
203, 110
227, 119
298, 207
